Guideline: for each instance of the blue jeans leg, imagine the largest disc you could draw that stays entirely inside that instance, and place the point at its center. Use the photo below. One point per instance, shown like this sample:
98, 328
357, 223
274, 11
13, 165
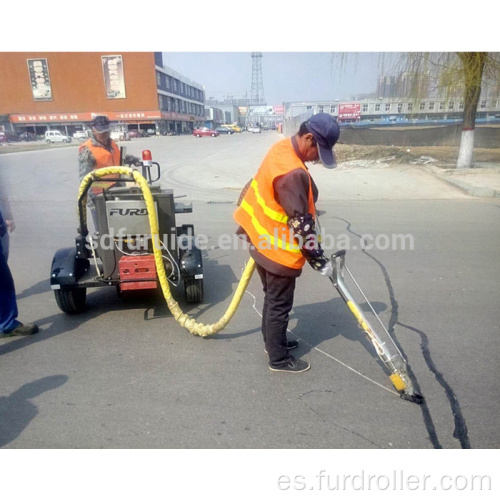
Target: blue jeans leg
8, 304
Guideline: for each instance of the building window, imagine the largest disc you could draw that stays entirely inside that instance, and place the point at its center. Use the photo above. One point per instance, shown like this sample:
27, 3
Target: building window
333, 109
174, 81
461, 106
441, 106
377, 107
482, 105
451, 105
308, 107
422, 106
160, 102
365, 108
431, 106
158, 79
320, 109
400, 107
410, 107
167, 82
387, 107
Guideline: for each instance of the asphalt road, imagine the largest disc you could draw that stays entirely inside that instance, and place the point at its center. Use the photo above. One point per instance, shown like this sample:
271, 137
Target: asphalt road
126, 375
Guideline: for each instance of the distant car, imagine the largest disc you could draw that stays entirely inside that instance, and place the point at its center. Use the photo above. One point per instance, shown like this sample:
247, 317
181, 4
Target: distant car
56, 136
80, 134
224, 130
254, 130
233, 127
27, 136
200, 132
120, 135
133, 133
8, 137
151, 131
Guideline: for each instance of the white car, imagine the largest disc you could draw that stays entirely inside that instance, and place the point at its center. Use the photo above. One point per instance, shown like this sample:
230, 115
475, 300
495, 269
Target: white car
120, 135
80, 134
254, 130
56, 136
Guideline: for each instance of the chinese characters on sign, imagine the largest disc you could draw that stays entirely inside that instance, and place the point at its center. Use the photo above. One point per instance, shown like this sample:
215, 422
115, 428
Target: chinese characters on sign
40, 80
349, 111
114, 81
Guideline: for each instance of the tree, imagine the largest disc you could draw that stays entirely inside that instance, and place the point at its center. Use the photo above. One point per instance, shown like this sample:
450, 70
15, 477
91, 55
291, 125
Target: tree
449, 74
460, 74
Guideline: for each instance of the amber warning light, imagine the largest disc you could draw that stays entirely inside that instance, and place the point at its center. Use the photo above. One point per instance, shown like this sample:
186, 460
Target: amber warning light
146, 155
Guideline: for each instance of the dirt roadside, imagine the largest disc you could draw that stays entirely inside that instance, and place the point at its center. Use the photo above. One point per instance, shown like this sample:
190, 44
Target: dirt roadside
445, 156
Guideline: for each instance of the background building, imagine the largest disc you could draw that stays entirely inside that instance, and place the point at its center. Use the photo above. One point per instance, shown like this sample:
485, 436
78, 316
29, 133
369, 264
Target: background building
396, 109
64, 91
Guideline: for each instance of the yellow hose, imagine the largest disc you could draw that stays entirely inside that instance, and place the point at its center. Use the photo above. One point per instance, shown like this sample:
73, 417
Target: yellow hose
183, 319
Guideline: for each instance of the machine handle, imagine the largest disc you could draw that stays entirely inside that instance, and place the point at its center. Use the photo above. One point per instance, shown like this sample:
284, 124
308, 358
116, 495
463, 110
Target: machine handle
336, 255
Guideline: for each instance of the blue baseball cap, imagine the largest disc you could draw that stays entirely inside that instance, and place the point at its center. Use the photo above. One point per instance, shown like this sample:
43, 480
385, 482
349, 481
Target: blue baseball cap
326, 133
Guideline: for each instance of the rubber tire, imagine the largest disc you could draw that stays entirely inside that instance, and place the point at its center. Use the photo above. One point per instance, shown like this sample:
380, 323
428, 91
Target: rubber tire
71, 300
198, 135
193, 290
213, 135
48, 141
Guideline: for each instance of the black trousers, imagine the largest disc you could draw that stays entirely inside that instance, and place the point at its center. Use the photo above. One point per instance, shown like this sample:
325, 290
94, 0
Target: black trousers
278, 302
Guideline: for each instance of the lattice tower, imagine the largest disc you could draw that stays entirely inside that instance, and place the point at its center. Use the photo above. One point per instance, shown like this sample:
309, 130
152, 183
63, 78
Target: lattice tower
257, 93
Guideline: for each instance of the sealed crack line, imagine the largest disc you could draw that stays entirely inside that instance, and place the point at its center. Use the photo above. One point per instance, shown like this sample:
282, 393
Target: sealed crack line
460, 431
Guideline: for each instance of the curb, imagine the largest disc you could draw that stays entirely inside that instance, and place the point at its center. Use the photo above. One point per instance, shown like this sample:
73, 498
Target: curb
476, 191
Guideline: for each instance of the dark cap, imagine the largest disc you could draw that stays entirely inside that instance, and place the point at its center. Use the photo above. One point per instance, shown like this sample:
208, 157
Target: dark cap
101, 123
326, 132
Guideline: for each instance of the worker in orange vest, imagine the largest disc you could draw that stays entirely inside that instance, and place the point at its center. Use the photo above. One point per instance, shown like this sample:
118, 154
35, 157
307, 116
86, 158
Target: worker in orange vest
276, 212
100, 151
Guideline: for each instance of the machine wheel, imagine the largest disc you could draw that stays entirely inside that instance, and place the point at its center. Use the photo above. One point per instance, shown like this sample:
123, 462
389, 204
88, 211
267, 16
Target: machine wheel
198, 135
48, 141
213, 135
71, 300
193, 290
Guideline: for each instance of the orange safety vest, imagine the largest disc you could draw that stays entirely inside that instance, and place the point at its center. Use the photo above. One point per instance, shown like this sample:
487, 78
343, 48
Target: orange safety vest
103, 159
260, 215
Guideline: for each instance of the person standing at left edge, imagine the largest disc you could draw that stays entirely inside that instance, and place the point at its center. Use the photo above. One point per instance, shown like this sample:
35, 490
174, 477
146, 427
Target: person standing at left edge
9, 325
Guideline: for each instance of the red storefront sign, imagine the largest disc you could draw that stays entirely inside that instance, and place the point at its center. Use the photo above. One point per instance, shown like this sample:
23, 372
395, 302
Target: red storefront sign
114, 116
279, 110
350, 111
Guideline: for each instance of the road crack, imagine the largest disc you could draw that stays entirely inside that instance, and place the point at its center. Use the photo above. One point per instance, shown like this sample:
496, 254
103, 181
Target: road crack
460, 431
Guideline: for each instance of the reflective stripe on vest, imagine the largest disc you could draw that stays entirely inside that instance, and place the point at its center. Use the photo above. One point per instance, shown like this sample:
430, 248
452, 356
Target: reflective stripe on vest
260, 215
103, 158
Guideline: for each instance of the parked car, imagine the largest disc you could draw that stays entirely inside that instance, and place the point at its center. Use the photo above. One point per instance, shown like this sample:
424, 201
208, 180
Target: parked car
204, 131
224, 130
233, 127
8, 137
80, 134
56, 136
27, 136
151, 131
133, 133
120, 135
254, 130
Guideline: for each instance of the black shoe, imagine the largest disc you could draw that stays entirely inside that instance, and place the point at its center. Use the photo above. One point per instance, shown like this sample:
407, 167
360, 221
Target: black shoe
291, 344
22, 330
293, 366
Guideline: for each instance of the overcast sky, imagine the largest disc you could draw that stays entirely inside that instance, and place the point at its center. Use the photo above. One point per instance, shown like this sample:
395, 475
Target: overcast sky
287, 76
